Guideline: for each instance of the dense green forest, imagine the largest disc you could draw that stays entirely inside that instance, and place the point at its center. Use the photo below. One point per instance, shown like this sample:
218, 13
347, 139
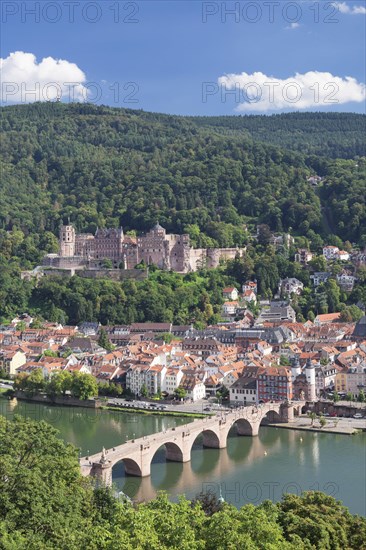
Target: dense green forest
332, 135
45, 504
210, 177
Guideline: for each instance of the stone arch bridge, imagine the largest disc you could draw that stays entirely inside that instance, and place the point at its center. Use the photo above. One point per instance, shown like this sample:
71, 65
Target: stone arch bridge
137, 454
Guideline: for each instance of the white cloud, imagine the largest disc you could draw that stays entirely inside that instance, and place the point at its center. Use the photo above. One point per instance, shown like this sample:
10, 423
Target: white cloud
314, 89
293, 26
24, 80
343, 7
359, 10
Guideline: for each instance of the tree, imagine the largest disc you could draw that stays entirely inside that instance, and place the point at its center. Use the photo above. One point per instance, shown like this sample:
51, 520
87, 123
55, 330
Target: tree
50, 353
264, 234
37, 323
167, 337
223, 393
311, 316
361, 397
333, 295
349, 396
83, 386
3, 374
20, 381
180, 393
316, 520
322, 421
313, 416
335, 397
318, 263
144, 391
208, 501
284, 361
107, 263
59, 384
43, 499
351, 313
35, 382
103, 340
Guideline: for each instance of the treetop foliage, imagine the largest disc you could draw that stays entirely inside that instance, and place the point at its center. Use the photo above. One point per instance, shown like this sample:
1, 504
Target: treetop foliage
46, 504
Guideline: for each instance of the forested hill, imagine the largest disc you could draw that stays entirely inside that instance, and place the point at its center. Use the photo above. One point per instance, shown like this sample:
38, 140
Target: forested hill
333, 135
109, 167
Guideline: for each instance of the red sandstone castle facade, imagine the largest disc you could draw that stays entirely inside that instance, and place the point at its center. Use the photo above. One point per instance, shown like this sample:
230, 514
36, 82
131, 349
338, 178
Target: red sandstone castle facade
167, 251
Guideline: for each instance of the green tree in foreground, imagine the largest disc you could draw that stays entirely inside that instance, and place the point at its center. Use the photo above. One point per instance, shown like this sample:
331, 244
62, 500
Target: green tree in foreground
46, 504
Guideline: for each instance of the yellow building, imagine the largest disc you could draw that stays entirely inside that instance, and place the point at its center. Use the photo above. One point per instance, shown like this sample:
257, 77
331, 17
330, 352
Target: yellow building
341, 381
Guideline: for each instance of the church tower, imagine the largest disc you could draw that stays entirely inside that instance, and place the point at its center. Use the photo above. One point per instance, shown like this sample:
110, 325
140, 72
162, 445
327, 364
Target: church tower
67, 241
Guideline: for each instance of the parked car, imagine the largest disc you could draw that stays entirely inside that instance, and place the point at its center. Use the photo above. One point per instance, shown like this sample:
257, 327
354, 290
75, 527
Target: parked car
207, 409
357, 415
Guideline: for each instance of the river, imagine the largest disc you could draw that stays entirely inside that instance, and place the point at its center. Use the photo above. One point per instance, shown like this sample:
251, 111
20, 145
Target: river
248, 470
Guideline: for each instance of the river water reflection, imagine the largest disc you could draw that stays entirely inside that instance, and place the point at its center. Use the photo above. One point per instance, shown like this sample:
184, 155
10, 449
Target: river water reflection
248, 470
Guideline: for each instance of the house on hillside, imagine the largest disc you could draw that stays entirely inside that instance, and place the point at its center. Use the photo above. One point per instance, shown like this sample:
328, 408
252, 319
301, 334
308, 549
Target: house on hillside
320, 277
291, 285
250, 285
303, 256
230, 293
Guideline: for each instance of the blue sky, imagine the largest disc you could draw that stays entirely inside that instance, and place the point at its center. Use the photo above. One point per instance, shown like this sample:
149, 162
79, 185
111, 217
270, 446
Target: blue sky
186, 57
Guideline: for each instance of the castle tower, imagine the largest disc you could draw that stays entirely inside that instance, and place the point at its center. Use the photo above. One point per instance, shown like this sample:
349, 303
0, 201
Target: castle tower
295, 368
67, 241
310, 380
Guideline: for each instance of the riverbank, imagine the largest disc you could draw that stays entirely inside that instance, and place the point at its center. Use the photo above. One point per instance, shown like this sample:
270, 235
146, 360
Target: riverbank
346, 426
152, 412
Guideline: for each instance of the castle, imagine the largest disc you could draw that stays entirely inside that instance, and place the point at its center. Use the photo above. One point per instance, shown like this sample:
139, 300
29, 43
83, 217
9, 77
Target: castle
167, 251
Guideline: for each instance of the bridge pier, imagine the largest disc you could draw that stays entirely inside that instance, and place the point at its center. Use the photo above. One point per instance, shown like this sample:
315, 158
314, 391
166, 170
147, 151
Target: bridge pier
102, 473
212, 440
245, 428
175, 454
286, 412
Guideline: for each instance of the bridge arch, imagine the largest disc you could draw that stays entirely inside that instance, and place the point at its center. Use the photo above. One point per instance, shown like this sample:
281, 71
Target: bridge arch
271, 416
132, 468
242, 426
210, 439
173, 452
